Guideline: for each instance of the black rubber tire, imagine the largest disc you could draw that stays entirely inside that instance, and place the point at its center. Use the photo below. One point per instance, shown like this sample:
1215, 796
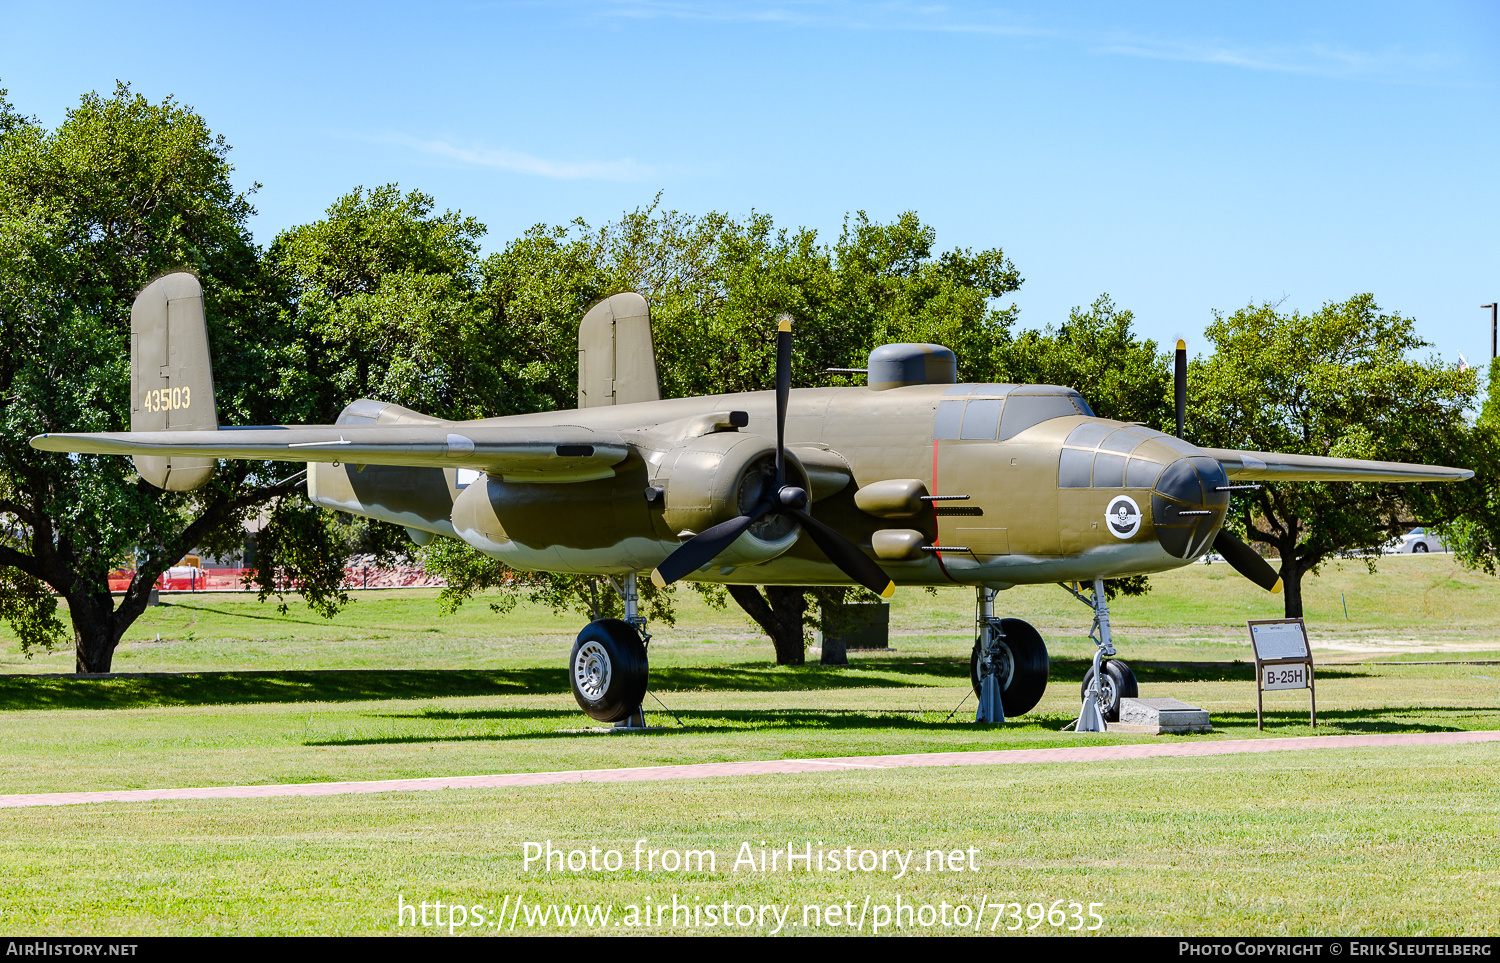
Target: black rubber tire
608, 670
1119, 683
1030, 665
1419, 547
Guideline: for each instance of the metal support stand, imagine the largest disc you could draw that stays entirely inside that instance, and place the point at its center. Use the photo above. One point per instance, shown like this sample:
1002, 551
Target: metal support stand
990, 668
1090, 714
630, 595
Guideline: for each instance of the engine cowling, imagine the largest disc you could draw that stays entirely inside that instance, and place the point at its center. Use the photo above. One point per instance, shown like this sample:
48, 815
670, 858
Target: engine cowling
718, 476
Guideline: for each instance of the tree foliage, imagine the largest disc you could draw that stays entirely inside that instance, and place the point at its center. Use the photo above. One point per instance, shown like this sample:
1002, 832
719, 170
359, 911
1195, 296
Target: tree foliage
1098, 353
383, 293
1468, 517
1341, 382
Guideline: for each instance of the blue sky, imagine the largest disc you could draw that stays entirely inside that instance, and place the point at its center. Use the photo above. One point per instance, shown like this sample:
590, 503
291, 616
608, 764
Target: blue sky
1180, 157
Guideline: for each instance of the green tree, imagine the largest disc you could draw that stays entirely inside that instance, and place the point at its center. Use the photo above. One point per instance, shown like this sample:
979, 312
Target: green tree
1098, 353
1468, 518
382, 291
122, 191
1340, 382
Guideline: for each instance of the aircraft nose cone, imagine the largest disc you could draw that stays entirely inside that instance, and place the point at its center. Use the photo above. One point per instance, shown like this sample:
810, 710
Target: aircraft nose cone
1187, 505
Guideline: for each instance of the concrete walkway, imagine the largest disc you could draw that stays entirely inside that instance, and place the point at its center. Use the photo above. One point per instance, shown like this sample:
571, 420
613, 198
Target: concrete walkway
708, 770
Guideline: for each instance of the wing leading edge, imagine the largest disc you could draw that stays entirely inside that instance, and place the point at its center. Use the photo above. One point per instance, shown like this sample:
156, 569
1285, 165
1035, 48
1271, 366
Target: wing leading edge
554, 454
1274, 466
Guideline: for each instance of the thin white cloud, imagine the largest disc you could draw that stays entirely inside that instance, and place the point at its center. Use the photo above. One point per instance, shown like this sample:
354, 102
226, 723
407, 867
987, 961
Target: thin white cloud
1321, 59
1317, 59
835, 14
516, 162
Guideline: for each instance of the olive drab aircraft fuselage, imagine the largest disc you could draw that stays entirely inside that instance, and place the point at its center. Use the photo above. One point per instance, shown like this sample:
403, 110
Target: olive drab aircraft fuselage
912, 479
658, 472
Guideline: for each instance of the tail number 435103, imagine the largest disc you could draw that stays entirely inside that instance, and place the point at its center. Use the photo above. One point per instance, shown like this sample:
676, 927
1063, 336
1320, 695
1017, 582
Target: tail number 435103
168, 399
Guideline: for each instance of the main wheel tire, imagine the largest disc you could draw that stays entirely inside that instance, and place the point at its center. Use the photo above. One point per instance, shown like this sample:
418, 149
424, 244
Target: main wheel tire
608, 670
1024, 666
1119, 683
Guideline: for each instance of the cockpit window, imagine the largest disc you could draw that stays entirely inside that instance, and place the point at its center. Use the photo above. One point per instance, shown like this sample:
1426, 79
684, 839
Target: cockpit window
950, 415
1088, 435
1073, 468
980, 418
1109, 470
1024, 411
1124, 440
1141, 473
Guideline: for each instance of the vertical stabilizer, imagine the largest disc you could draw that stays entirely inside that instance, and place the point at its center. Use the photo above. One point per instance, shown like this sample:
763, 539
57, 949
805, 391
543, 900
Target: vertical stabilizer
616, 359
171, 380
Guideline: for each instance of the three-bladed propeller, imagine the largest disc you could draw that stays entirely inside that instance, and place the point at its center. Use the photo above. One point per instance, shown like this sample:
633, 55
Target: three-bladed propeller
778, 498
1241, 557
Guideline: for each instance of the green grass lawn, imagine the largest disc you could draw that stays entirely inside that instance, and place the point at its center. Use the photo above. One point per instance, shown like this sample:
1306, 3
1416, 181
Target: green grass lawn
1396, 841
1346, 841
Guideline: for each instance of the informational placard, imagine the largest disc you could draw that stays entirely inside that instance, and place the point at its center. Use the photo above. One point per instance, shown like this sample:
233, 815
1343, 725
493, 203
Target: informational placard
1279, 639
1283, 660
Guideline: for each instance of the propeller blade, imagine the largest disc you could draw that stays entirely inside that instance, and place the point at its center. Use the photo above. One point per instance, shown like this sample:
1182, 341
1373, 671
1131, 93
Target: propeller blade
1179, 377
783, 391
1242, 559
701, 548
847, 556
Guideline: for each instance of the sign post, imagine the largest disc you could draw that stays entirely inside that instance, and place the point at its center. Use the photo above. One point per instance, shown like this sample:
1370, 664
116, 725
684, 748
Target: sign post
1283, 660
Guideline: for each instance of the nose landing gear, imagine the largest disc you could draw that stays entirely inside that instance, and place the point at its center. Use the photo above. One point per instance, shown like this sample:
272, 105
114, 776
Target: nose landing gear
1108, 680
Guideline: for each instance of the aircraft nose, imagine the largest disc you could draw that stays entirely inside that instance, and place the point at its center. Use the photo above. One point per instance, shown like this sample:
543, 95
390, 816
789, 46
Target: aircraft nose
1188, 504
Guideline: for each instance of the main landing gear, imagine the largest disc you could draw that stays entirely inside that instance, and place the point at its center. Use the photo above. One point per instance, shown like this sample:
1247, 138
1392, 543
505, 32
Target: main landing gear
1008, 667
608, 665
1108, 680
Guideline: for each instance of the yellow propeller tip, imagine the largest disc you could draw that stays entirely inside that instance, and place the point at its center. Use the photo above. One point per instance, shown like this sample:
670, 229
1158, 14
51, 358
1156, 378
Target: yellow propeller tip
1276, 589
1181, 345
657, 580
890, 590
784, 323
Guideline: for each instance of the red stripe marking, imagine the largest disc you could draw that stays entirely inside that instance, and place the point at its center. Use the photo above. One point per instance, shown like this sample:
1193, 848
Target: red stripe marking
936, 534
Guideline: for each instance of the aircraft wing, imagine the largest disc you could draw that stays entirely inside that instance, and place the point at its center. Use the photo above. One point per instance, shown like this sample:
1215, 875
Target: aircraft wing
560, 453
1274, 466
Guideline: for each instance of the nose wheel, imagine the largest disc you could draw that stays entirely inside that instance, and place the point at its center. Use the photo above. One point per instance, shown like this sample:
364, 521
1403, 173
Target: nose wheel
1117, 682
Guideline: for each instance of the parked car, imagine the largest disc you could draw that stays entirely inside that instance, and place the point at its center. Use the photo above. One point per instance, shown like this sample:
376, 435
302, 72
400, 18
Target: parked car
1417, 541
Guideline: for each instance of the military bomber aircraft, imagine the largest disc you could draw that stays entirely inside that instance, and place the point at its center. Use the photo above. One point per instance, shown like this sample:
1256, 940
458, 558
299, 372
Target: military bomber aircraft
912, 480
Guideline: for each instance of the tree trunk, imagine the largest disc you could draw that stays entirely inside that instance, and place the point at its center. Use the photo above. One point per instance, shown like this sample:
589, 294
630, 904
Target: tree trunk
94, 631
779, 613
1291, 584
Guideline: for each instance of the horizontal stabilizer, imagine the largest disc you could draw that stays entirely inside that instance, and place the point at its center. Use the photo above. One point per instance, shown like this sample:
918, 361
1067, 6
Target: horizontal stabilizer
1273, 466
555, 454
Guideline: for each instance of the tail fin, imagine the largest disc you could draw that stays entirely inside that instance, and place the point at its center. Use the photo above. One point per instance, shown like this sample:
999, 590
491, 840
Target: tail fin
171, 377
616, 360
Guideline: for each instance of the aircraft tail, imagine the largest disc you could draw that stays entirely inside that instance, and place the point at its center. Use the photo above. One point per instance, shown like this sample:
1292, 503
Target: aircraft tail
171, 377
616, 359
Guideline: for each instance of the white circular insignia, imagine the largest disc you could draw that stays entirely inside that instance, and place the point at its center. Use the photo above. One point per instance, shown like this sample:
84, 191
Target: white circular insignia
1123, 517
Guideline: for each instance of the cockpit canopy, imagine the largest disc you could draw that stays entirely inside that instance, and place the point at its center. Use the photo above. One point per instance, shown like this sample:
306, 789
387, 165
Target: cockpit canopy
999, 412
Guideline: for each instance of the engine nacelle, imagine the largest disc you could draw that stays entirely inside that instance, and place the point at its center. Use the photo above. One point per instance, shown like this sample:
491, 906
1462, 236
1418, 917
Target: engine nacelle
718, 476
